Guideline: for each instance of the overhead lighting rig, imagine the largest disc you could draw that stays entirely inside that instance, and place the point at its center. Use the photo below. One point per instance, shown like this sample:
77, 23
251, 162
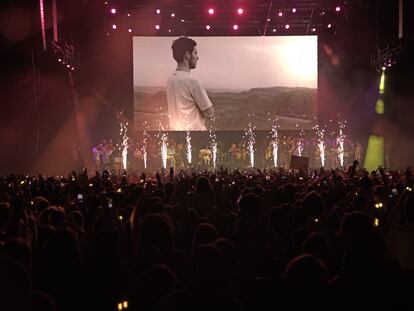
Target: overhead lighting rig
386, 57
65, 54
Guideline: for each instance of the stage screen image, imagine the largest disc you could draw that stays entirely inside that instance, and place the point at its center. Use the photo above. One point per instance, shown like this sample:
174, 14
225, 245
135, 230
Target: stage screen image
263, 80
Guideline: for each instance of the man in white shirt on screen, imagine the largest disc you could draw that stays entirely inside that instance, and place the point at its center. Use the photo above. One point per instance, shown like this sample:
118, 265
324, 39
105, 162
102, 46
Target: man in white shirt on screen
188, 102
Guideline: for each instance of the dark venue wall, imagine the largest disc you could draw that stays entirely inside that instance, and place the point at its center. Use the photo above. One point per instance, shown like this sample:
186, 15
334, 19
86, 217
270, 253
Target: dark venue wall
39, 117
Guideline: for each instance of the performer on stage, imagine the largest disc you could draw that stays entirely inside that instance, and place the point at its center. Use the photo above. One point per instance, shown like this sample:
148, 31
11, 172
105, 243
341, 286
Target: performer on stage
138, 157
233, 155
334, 157
96, 157
110, 151
171, 152
268, 156
284, 152
188, 102
205, 156
358, 151
180, 155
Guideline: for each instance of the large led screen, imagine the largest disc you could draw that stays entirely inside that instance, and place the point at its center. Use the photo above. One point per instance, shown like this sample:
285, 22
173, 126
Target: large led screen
262, 80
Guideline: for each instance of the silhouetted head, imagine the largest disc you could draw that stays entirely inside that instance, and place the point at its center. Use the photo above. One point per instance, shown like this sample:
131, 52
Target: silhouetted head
204, 233
250, 206
203, 185
306, 270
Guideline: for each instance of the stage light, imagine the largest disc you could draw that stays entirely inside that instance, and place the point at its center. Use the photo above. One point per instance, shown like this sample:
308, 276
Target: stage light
287, 26
129, 30
380, 106
269, 19
375, 153
313, 29
280, 14
338, 9
172, 14
208, 27
157, 27
386, 57
329, 26
73, 68
169, 30
240, 11
294, 10
211, 11
128, 15
182, 21
113, 11
158, 11
68, 66
322, 13
274, 29
382, 82
59, 60
113, 26
235, 27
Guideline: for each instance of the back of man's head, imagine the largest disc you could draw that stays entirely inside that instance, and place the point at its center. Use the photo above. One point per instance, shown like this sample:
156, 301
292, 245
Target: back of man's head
182, 45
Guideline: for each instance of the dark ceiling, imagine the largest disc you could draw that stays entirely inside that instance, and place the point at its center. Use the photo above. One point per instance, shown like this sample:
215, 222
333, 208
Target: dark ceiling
259, 17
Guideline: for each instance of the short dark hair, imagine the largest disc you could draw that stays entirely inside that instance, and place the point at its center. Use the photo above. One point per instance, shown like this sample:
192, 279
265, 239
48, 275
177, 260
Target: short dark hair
182, 45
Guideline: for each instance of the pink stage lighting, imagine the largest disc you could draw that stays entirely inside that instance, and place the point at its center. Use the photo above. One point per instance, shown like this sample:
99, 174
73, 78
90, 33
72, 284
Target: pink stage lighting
294, 10
338, 9
157, 27
208, 27
211, 11
240, 11
113, 11
287, 26
129, 30
113, 26
172, 14
158, 11
329, 25
235, 27
280, 14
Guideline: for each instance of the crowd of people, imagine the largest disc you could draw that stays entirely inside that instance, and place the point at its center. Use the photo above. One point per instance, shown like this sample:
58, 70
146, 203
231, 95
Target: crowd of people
191, 240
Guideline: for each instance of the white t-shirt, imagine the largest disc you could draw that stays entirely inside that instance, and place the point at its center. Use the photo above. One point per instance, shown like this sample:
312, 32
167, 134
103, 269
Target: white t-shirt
186, 100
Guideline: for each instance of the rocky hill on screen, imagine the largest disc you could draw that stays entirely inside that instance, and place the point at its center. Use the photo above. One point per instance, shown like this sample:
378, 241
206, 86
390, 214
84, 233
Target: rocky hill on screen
295, 108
